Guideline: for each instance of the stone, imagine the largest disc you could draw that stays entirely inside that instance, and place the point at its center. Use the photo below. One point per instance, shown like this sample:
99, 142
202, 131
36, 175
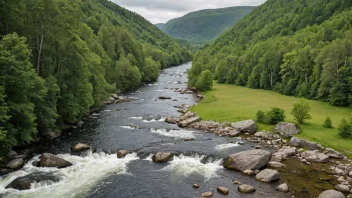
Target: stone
251, 159
188, 139
350, 174
257, 147
170, 120
24, 183
162, 157
314, 156
237, 182
245, 188
234, 133
283, 188
342, 188
195, 186
80, 147
164, 98
11, 154
249, 172
240, 143
290, 151
15, 163
223, 190
268, 175
122, 153
331, 194
297, 142
287, 129
246, 126
207, 194
188, 121
50, 160
274, 164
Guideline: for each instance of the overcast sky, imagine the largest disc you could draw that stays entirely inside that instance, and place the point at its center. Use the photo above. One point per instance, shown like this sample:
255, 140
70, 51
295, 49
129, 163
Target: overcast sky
160, 11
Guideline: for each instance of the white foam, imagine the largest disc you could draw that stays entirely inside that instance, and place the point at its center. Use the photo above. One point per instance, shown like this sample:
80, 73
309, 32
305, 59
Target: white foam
174, 133
137, 118
154, 120
190, 165
225, 146
127, 127
76, 180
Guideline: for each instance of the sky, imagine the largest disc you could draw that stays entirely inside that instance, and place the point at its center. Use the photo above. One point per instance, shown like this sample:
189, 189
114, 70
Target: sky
161, 11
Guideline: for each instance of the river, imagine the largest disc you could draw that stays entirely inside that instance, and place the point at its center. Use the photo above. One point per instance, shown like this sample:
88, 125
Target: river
138, 125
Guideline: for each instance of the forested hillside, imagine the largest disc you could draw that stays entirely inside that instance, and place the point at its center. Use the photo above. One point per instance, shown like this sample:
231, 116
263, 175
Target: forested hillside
160, 25
205, 25
60, 58
301, 48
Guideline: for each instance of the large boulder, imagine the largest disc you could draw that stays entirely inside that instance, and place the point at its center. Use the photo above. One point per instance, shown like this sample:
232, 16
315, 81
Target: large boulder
80, 147
162, 157
342, 188
50, 160
297, 142
331, 194
245, 188
122, 153
16, 163
246, 126
189, 121
24, 183
251, 159
268, 175
287, 129
314, 156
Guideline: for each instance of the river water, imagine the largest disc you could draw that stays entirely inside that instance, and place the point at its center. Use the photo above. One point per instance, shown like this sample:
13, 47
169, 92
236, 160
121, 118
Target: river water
139, 126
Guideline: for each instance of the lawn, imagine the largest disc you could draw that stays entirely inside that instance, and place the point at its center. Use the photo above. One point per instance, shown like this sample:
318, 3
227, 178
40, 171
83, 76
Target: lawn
233, 103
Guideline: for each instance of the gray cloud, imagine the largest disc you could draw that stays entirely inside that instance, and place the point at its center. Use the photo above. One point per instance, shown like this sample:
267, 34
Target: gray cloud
160, 11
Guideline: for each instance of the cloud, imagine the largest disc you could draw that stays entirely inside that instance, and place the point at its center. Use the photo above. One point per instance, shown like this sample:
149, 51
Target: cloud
160, 11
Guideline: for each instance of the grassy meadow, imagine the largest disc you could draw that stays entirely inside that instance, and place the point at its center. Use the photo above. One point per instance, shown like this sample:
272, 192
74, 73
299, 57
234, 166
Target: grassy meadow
233, 103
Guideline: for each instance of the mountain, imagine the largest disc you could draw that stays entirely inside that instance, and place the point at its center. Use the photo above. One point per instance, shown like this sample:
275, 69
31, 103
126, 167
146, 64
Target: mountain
205, 25
61, 58
297, 47
160, 25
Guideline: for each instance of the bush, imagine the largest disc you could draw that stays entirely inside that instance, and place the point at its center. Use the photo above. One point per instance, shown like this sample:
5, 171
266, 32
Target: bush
205, 81
345, 129
327, 123
261, 116
301, 111
275, 115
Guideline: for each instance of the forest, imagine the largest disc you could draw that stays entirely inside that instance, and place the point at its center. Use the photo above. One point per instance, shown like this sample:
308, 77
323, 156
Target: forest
59, 59
298, 48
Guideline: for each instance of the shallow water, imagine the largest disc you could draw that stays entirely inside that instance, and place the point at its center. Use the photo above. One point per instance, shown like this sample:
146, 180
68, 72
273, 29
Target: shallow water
139, 126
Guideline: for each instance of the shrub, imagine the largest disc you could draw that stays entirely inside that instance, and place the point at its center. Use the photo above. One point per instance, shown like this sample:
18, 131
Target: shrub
301, 111
205, 81
327, 123
261, 116
345, 129
275, 115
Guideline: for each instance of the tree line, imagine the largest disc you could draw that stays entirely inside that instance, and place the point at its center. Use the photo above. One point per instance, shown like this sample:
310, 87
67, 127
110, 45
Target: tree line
61, 58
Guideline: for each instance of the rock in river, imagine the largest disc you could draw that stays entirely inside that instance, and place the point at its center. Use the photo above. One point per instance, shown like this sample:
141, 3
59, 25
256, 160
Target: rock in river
287, 129
189, 121
244, 188
251, 159
24, 183
50, 160
246, 126
16, 163
223, 190
207, 194
283, 188
162, 157
331, 194
268, 175
80, 147
122, 153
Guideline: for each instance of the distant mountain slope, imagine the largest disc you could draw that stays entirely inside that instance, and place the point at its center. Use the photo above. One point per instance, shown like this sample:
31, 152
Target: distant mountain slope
160, 25
205, 25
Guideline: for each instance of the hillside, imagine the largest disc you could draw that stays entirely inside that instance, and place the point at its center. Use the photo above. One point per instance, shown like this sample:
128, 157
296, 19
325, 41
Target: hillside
160, 25
61, 58
298, 47
205, 25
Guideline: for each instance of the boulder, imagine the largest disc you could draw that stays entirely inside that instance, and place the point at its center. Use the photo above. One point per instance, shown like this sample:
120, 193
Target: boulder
287, 129
268, 175
170, 120
274, 164
331, 194
246, 126
11, 154
24, 183
79, 147
245, 188
162, 157
122, 153
289, 151
251, 159
223, 190
342, 188
50, 160
314, 156
207, 194
297, 142
283, 188
15, 163
189, 121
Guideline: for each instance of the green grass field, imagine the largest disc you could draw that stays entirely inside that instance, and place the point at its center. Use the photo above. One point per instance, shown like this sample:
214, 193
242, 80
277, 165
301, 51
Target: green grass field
232, 103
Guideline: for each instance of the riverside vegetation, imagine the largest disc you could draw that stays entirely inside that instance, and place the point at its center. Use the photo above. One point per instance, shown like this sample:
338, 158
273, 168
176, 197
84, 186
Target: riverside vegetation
60, 58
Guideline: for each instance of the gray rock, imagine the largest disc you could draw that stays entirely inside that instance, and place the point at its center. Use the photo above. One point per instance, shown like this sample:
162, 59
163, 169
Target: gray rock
223, 190
79, 147
249, 172
11, 154
189, 121
162, 157
16, 163
268, 175
291, 151
314, 156
207, 194
122, 153
246, 126
287, 129
283, 188
342, 188
50, 160
297, 142
274, 164
24, 183
331, 194
251, 159
245, 188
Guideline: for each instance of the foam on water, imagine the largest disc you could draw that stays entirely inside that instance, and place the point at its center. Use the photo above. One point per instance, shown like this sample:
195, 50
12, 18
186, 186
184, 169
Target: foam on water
155, 120
127, 127
226, 146
177, 134
184, 166
75, 180
137, 118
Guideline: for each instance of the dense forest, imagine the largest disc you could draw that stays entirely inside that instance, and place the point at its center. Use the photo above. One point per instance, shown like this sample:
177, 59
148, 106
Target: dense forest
205, 25
61, 58
300, 48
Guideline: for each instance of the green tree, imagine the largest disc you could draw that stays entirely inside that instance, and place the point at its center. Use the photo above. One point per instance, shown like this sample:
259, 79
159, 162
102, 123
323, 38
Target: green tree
275, 115
345, 129
261, 116
327, 122
205, 81
301, 111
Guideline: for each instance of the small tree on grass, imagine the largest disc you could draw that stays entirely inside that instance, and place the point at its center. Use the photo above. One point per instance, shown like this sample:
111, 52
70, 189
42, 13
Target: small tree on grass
301, 111
260, 116
345, 129
275, 115
327, 123
205, 81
